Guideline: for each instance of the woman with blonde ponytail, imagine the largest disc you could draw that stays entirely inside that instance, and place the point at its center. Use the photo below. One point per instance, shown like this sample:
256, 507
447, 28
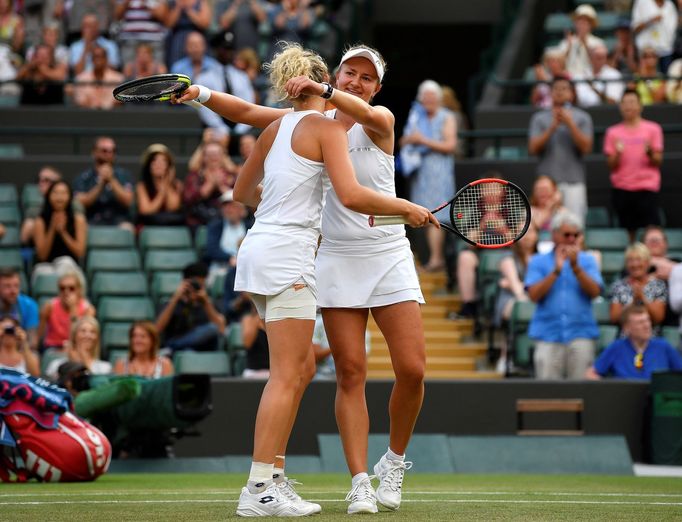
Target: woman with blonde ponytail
285, 178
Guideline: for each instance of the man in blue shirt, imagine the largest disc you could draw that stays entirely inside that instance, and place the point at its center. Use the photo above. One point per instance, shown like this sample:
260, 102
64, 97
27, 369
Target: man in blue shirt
638, 354
13, 303
563, 283
80, 51
196, 60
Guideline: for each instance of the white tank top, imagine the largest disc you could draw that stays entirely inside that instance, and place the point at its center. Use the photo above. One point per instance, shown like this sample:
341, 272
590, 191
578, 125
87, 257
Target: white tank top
374, 169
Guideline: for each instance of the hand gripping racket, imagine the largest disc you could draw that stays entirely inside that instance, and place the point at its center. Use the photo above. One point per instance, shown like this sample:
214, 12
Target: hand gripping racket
487, 213
158, 87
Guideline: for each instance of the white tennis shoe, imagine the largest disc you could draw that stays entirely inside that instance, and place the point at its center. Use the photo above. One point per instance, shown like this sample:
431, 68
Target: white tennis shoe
268, 503
286, 487
362, 498
391, 474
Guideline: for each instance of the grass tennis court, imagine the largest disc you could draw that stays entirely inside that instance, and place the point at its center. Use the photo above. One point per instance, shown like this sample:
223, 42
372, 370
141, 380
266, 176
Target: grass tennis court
200, 497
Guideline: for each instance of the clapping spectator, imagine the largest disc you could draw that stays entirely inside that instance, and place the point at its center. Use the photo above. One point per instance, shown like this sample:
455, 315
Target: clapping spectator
81, 51
655, 240
105, 190
94, 88
189, 320
649, 84
141, 21
11, 27
46, 177
50, 36
601, 85
242, 18
654, 23
143, 353
576, 45
545, 202
71, 13
211, 174
639, 286
83, 347
291, 21
634, 152
553, 66
623, 56
674, 87
42, 78
59, 313
195, 60
638, 354
256, 344
15, 352
563, 283
13, 302
182, 18
144, 64
159, 193
224, 235
431, 133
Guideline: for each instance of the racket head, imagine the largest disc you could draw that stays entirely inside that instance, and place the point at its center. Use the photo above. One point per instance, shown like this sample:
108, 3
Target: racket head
490, 213
158, 87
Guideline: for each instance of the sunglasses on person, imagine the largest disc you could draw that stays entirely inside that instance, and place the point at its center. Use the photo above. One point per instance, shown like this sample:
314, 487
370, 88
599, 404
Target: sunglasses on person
109, 150
67, 288
46, 180
570, 235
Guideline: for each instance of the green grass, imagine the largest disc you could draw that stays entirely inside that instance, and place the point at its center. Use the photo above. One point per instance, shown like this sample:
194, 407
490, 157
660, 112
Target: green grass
204, 497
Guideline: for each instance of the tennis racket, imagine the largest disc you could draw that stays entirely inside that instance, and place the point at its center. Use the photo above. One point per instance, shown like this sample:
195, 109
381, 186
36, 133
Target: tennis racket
487, 213
158, 87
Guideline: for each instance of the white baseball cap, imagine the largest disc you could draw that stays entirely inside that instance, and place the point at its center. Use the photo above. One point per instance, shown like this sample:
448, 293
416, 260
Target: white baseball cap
370, 55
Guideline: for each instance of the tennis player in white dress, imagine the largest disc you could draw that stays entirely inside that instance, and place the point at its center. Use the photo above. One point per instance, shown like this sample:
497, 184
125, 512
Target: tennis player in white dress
292, 159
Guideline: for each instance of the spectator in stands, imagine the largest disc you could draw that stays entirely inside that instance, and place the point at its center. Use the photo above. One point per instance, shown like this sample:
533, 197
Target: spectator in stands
623, 56
224, 235
577, 45
654, 24
246, 144
634, 153
3, 230
72, 14
211, 175
195, 60
256, 343
673, 87
563, 283
51, 36
182, 18
94, 87
291, 21
143, 353
42, 78
46, 177
452, 103
638, 286
242, 18
59, 313
561, 136
649, 83
144, 64
601, 85
81, 51
247, 60
226, 78
11, 27
15, 352
83, 347
190, 320
553, 66
638, 354
20, 306
675, 292
656, 241
431, 133
545, 202
105, 190
159, 193
141, 21
618, 6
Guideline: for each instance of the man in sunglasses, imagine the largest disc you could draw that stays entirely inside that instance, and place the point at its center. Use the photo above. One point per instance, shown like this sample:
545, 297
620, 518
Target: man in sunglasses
563, 283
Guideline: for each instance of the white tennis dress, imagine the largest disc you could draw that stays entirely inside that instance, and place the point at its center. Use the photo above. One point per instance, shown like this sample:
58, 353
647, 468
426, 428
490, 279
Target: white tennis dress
359, 266
279, 250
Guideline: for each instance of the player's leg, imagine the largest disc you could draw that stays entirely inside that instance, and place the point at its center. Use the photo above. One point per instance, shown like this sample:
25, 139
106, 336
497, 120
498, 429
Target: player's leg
345, 328
401, 325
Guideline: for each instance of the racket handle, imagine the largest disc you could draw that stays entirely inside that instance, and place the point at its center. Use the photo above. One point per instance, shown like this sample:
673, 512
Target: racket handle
193, 103
377, 221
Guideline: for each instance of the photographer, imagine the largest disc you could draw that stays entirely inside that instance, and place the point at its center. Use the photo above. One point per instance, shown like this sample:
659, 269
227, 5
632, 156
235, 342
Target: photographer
189, 320
15, 352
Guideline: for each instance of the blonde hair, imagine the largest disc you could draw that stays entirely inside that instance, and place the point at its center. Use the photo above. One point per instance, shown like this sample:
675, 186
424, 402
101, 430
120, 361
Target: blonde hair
93, 322
293, 61
638, 250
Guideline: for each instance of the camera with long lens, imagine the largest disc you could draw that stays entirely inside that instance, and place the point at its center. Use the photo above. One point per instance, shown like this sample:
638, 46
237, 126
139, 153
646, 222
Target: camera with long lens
10, 329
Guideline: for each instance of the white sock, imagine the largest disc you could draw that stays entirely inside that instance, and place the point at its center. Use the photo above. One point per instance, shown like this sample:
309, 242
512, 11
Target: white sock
391, 455
260, 476
278, 475
358, 478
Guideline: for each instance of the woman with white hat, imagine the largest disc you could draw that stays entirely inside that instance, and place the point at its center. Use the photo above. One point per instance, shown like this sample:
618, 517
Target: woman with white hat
576, 45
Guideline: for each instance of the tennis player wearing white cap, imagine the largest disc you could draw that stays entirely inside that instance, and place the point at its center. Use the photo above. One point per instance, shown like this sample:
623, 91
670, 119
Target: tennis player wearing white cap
361, 269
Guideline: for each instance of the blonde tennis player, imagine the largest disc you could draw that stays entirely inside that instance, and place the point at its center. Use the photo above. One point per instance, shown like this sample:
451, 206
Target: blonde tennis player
285, 178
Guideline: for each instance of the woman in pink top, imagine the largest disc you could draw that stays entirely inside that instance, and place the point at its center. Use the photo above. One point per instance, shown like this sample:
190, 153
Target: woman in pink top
634, 152
59, 313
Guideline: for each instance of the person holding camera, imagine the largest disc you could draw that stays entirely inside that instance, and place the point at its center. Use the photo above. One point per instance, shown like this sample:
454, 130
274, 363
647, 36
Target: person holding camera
15, 353
189, 320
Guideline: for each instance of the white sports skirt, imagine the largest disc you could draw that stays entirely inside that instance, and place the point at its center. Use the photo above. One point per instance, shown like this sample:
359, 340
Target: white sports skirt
357, 274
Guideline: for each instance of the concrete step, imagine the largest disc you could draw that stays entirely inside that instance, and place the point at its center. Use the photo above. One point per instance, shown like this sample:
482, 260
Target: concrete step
433, 324
471, 350
439, 374
432, 363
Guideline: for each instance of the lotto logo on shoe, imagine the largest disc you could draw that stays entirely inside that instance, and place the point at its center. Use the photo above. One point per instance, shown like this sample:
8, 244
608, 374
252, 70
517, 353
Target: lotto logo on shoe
266, 499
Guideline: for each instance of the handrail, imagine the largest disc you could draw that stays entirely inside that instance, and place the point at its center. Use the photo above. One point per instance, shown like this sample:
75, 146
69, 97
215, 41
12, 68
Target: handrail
520, 82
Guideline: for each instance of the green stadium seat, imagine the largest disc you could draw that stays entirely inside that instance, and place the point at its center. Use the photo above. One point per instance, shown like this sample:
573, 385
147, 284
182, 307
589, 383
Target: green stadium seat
674, 236
488, 276
607, 334
118, 284
601, 309
523, 351
8, 194
558, 23
31, 197
9, 215
113, 260
200, 238
612, 264
110, 237
168, 260
45, 285
157, 238
212, 363
115, 337
48, 357
11, 258
597, 217
672, 335
10, 237
606, 239
115, 355
217, 290
164, 285
521, 315
125, 309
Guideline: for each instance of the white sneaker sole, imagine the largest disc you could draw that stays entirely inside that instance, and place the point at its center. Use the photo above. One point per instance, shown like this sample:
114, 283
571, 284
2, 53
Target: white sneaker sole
363, 510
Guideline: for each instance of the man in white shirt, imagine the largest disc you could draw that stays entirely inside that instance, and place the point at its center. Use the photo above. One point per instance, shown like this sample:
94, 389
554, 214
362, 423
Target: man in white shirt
654, 24
595, 92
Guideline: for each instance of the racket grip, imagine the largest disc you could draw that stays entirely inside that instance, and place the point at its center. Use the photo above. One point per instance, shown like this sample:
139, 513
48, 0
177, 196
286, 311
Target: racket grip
377, 221
193, 103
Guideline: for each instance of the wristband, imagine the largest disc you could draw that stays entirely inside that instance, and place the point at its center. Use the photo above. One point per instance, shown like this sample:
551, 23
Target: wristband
204, 94
328, 91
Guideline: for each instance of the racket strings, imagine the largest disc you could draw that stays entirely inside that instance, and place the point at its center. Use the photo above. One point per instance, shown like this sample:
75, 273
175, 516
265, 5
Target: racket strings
490, 213
150, 91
